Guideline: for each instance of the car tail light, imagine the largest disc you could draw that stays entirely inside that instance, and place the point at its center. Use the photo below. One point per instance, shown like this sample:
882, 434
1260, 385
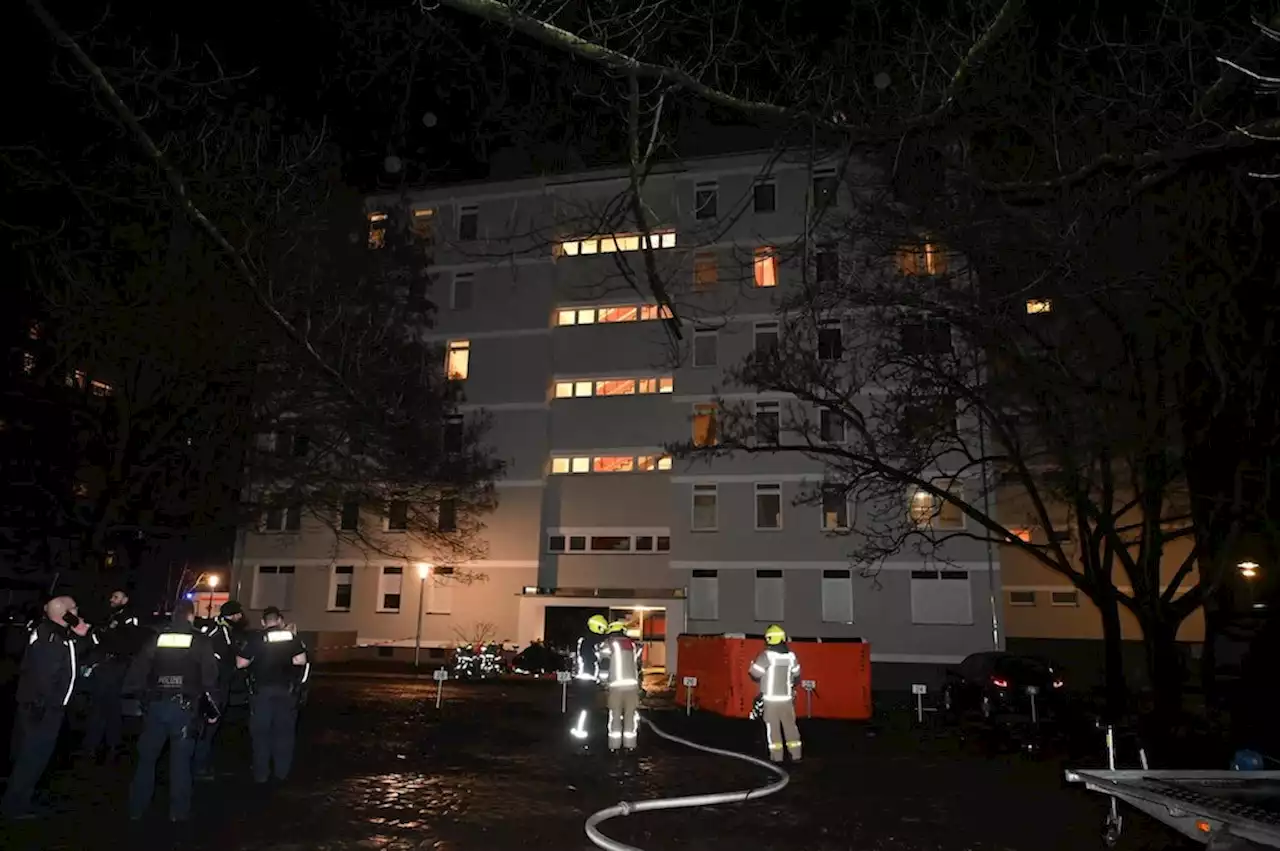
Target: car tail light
999, 683
1058, 683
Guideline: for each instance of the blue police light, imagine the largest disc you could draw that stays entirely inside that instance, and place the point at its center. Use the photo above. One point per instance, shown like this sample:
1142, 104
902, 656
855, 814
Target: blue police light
190, 596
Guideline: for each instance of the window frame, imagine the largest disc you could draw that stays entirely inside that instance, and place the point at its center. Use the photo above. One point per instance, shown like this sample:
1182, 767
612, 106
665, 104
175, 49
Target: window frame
757, 187
843, 576
471, 212
848, 510
830, 415
380, 606
706, 209
766, 329
706, 271
1072, 603
348, 505
712, 411
1029, 602
775, 594
764, 267
703, 490
956, 487
712, 334
831, 199
336, 571
389, 519
759, 489
468, 278
710, 579
768, 408
462, 348
827, 327
285, 589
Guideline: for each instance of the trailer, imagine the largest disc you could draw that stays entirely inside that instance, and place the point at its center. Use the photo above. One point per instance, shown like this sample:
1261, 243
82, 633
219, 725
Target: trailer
1226, 810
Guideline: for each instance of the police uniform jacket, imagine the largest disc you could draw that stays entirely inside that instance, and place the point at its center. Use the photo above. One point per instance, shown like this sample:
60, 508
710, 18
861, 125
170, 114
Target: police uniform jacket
121, 635
586, 664
271, 654
177, 663
51, 666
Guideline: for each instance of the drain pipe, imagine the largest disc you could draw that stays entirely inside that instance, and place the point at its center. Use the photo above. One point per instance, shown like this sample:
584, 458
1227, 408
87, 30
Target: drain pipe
626, 808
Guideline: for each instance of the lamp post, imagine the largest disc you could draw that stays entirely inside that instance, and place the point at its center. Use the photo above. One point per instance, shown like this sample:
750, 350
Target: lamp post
424, 570
212, 582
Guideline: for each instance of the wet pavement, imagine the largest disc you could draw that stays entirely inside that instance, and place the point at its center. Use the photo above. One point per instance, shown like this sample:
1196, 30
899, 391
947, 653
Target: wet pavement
379, 767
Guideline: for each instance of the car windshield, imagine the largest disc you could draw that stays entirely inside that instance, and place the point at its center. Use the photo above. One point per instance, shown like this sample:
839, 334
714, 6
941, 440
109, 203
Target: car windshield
1023, 668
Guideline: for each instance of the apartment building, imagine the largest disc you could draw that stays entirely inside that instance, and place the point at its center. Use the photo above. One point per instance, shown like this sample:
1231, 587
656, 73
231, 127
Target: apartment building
550, 325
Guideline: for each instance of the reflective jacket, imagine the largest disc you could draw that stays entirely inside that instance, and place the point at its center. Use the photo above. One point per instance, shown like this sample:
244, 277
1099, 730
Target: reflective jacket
776, 669
178, 663
618, 666
586, 661
121, 635
51, 665
226, 641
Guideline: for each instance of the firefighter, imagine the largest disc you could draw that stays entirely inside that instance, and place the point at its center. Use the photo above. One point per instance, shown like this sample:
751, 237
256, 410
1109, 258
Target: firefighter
279, 673
777, 669
620, 672
586, 678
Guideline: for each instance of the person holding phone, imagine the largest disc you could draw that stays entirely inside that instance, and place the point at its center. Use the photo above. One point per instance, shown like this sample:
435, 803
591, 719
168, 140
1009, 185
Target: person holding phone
46, 682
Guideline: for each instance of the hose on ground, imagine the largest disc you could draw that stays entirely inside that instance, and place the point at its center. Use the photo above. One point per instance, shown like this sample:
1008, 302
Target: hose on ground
626, 808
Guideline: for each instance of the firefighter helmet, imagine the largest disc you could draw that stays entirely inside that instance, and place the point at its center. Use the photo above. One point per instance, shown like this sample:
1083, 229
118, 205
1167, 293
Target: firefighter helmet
617, 626
775, 635
597, 624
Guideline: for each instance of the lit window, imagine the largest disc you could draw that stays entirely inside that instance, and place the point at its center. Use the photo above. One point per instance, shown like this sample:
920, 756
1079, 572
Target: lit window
928, 510
564, 389
423, 225
100, 388
766, 266
566, 317
616, 387
835, 509
76, 379
559, 466
704, 425
924, 259
664, 462
666, 385
377, 230
1022, 533
613, 464
35, 330
627, 243
647, 463
619, 314
769, 506
587, 317
569, 249
706, 272
582, 388
612, 243
1039, 305
589, 246
458, 360
653, 311
28, 363
580, 464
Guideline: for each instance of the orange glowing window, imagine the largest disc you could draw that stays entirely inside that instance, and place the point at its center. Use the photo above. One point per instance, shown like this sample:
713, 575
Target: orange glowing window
704, 425
766, 266
925, 259
616, 387
458, 360
613, 464
618, 314
706, 272
377, 230
1022, 533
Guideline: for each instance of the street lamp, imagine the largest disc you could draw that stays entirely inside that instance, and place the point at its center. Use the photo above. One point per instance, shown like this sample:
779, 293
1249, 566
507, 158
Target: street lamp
424, 570
1248, 569
212, 582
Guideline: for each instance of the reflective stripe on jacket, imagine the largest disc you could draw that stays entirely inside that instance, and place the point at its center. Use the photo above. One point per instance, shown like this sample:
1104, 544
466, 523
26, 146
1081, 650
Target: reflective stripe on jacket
777, 672
620, 669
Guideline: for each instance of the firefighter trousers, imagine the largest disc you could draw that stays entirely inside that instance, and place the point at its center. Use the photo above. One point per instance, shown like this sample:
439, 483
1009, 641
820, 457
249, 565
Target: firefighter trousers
624, 717
780, 729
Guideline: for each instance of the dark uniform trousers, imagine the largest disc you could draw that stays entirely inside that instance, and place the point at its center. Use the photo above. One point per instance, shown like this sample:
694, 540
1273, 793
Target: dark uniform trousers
273, 723
105, 723
35, 737
204, 743
172, 721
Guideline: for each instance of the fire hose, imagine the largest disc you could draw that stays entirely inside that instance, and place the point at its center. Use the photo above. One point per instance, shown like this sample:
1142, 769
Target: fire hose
626, 808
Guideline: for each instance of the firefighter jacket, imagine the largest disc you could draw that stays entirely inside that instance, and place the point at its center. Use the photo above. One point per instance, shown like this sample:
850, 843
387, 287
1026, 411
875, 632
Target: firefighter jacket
618, 667
586, 661
177, 664
271, 656
51, 665
776, 669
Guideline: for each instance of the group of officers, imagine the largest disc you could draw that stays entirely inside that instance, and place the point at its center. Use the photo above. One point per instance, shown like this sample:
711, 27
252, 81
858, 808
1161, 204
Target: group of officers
606, 658
182, 676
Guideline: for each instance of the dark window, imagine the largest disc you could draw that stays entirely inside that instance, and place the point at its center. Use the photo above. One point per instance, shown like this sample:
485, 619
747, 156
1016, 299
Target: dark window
830, 343
391, 601
827, 264
926, 337
644, 543
705, 574
417, 289
453, 435
664, 544
398, 515
272, 518
1060, 536
293, 518
836, 574
468, 224
555, 544
825, 189
611, 543
704, 202
578, 543
286, 569
765, 197
448, 520
463, 287
350, 519
301, 445
266, 568
768, 574
342, 587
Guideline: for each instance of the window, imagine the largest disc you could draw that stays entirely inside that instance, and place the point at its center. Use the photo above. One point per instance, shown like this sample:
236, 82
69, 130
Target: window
835, 509
923, 259
830, 426
555, 543
649, 463
705, 347
830, 342
764, 197
377, 230
926, 337
1039, 305
705, 509
349, 515
397, 515
825, 188
941, 597
390, 586
1064, 598
768, 422
618, 314
273, 586
577, 543
612, 243
928, 510
765, 341
76, 378
1021, 533
768, 506
770, 596
1060, 536
463, 286
610, 543
281, 517
468, 224
826, 263
663, 384
101, 389
837, 596
569, 465
439, 591
447, 520
704, 596
35, 330
629, 313
613, 463
704, 425
642, 544
458, 361
340, 588
649, 543
1022, 598
451, 440
616, 387
423, 225
765, 265
706, 271
704, 201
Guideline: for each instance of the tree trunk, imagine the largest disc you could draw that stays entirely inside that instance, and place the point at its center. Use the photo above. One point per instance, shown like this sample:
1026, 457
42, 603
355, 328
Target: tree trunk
1113, 657
1164, 664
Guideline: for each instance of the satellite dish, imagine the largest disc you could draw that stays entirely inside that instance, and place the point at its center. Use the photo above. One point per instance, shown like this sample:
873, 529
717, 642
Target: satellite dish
882, 80
392, 164
429, 119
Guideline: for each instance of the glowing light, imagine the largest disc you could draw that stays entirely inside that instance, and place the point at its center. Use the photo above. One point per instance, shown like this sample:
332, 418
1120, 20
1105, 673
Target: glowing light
213, 581
424, 570
1248, 569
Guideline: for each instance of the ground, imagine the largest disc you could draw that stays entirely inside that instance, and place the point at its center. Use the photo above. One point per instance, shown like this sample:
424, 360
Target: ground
379, 767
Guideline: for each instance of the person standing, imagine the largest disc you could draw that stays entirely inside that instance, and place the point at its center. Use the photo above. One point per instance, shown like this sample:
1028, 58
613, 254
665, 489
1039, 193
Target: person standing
46, 682
173, 673
619, 671
278, 671
226, 634
119, 639
777, 669
586, 679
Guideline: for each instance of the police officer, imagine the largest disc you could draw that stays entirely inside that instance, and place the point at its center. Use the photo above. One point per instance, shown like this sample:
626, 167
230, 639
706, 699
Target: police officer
619, 671
777, 669
119, 639
46, 682
226, 634
174, 673
586, 679
278, 671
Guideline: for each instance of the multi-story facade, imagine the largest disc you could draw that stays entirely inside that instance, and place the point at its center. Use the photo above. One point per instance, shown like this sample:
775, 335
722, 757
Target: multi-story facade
548, 318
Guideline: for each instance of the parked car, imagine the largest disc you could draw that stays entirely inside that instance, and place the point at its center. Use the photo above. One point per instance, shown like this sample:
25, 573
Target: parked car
539, 659
996, 686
